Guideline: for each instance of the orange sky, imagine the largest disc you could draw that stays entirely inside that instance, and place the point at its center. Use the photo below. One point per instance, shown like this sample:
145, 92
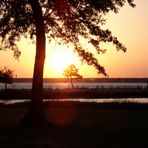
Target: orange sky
129, 25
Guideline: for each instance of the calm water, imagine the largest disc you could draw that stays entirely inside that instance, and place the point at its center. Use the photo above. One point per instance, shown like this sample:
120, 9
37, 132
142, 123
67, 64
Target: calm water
77, 85
111, 100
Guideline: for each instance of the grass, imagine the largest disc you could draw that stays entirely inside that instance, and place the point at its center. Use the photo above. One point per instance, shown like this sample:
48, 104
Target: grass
77, 93
75, 124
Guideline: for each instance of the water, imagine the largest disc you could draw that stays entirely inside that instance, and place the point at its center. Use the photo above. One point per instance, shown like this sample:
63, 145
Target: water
111, 100
77, 85
80, 85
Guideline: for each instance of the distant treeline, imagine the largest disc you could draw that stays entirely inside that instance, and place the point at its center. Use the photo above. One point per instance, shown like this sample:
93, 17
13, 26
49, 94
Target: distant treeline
88, 80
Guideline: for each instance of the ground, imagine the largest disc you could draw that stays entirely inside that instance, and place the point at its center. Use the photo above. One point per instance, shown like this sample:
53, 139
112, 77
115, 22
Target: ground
78, 93
77, 125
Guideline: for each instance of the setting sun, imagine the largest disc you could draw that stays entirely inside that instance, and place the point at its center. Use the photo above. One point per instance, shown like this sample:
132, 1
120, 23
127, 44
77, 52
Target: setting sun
60, 60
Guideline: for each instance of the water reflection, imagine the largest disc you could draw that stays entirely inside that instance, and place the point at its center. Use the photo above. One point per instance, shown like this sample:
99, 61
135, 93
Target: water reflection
65, 85
111, 100
8, 102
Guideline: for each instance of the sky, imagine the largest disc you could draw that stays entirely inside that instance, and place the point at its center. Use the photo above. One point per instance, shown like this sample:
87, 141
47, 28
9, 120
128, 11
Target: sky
129, 26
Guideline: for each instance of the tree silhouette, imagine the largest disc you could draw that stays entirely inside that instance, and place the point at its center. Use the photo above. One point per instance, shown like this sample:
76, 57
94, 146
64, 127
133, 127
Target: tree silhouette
6, 76
63, 20
71, 72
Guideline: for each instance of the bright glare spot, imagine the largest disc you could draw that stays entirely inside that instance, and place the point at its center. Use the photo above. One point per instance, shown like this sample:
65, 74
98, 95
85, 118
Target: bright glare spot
60, 60
57, 59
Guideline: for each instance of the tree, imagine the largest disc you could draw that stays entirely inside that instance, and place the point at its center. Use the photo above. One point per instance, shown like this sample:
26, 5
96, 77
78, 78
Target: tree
6, 76
63, 20
71, 72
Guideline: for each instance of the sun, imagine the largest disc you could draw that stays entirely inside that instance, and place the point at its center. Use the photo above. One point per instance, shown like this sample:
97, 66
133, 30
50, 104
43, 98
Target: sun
57, 60
61, 59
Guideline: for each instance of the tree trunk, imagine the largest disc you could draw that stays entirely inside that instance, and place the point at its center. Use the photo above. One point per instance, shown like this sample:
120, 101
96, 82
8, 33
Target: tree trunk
5, 86
71, 81
35, 115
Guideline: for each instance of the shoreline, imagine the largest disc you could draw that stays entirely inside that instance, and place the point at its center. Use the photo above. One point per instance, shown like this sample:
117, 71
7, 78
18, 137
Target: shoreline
86, 80
77, 93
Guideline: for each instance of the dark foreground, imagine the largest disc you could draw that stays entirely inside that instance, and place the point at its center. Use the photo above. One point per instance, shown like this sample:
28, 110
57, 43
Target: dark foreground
78, 93
74, 124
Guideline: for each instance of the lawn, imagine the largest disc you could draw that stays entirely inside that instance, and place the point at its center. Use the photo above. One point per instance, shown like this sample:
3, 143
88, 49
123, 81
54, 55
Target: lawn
74, 124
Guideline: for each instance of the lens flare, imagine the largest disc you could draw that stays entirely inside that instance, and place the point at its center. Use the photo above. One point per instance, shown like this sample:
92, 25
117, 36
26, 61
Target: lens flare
61, 113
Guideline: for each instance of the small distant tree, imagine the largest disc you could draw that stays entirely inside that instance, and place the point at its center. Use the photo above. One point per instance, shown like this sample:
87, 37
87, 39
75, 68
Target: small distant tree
6, 76
71, 72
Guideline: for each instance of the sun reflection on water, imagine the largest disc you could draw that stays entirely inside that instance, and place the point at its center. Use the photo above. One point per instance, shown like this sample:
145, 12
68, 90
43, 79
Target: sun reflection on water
100, 100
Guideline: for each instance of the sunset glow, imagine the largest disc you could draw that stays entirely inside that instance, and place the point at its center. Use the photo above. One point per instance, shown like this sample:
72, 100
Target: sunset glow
129, 26
60, 60
57, 59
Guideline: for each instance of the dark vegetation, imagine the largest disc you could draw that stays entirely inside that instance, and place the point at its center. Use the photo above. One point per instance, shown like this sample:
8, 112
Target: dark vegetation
71, 72
6, 76
78, 93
